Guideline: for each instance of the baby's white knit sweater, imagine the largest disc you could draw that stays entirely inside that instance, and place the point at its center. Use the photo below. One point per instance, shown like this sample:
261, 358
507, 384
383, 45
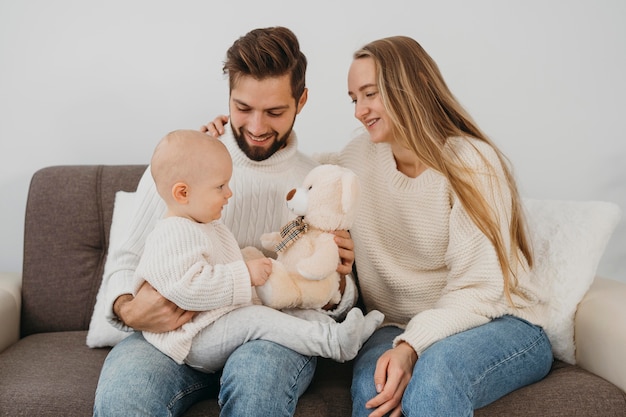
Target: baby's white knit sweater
420, 259
197, 266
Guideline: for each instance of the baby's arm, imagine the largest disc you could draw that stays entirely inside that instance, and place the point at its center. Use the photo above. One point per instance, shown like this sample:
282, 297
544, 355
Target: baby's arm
178, 263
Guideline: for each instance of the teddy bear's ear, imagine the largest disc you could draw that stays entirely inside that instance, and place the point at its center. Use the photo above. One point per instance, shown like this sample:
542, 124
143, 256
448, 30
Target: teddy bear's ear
350, 190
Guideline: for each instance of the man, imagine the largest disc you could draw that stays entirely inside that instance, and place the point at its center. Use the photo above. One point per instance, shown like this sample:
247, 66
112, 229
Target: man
266, 72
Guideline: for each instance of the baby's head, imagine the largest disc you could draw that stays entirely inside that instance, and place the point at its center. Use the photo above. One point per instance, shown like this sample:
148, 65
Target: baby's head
191, 171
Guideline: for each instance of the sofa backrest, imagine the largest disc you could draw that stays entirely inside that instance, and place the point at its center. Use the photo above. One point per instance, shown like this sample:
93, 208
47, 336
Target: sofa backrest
66, 236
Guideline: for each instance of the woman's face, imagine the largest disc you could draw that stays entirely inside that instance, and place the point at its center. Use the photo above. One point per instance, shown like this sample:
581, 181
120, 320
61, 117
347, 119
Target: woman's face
368, 104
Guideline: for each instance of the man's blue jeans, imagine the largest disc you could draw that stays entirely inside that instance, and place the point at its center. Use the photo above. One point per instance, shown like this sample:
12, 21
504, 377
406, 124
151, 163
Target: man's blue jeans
462, 372
260, 378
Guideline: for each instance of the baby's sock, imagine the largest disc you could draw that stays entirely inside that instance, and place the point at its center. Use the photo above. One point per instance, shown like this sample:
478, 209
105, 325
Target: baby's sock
354, 331
372, 320
348, 335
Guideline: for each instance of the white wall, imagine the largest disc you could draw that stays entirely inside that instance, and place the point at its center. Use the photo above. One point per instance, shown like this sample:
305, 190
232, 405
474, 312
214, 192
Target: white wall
100, 82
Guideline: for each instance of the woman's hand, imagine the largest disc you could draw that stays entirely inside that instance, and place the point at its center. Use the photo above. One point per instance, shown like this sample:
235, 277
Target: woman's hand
393, 373
216, 127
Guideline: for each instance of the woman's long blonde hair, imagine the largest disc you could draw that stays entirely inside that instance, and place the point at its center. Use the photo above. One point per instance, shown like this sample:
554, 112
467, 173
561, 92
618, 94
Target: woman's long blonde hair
425, 114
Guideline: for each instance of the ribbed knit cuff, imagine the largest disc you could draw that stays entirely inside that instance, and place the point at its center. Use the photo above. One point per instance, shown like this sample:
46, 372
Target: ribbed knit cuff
242, 290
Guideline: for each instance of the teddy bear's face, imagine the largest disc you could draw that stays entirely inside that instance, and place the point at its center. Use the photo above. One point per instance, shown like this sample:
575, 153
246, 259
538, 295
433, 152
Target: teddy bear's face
327, 198
298, 201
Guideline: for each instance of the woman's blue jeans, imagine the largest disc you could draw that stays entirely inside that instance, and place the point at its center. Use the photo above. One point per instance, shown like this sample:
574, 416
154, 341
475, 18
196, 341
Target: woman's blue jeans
460, 373
260, 378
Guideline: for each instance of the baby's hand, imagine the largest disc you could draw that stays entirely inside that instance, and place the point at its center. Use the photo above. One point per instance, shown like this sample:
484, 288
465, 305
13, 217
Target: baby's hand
260, 270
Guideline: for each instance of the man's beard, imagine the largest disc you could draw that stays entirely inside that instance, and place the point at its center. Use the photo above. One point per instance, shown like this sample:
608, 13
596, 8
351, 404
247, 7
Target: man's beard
258, 153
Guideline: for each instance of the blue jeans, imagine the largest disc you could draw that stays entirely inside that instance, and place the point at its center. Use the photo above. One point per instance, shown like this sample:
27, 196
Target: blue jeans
460, 373
260, 378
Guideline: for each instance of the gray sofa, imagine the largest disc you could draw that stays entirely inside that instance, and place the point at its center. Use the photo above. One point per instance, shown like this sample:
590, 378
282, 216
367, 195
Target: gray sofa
46, 369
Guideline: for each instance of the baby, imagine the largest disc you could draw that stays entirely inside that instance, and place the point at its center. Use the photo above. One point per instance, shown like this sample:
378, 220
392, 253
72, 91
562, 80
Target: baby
193, 260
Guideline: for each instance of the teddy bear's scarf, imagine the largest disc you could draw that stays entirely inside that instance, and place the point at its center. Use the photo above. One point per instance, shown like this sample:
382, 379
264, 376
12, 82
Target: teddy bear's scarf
291, 232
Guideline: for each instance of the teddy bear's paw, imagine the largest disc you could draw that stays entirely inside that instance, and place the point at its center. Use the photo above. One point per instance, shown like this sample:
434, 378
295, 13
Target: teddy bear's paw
270, 240
250, 252
279, 291
265, 292
314, 275
316, 268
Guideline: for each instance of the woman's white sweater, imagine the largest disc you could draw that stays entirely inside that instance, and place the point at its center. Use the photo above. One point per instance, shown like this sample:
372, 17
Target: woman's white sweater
420, 259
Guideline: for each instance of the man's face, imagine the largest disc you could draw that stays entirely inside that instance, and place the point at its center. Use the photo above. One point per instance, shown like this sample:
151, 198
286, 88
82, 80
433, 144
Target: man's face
262, 114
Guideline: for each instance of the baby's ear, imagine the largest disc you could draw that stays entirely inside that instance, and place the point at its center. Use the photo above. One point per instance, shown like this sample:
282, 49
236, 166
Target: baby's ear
180, 192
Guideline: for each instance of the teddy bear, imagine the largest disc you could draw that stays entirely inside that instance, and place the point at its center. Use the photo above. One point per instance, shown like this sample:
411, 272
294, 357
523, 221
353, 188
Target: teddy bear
304, 274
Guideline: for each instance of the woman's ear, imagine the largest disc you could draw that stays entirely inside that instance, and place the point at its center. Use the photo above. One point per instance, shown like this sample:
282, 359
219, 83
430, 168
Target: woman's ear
180, 193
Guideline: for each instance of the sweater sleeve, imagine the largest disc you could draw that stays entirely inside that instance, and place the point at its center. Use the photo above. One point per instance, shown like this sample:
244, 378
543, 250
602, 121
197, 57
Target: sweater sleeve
125, 249
180, 262
474, 290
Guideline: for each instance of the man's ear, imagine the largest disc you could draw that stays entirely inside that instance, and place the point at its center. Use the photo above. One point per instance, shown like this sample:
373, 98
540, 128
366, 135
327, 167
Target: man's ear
180, 192
302, 101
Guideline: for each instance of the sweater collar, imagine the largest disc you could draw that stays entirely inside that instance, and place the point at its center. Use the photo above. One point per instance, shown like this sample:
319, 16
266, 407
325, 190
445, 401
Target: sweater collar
279, 161
400, 181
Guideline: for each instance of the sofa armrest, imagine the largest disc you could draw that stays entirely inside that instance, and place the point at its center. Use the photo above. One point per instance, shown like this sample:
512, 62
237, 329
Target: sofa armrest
10, 305
600, 331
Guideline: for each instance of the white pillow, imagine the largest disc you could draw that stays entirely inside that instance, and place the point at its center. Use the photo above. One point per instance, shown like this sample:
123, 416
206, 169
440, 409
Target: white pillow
101, 333
568, 239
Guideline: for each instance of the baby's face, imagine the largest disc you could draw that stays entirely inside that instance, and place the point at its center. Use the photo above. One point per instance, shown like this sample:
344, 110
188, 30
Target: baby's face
209, 195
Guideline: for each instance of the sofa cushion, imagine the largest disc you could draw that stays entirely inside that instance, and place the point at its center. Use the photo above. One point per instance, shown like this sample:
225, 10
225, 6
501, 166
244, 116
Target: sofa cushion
68, 216
50, 374
566, 391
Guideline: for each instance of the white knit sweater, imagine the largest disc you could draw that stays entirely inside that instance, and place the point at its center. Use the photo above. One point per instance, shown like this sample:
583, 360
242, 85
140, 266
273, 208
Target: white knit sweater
197, 266
419, 257
257, 206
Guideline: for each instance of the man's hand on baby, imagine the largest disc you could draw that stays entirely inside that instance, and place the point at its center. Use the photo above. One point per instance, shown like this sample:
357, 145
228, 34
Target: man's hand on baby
215, 127
152, 312
260, 270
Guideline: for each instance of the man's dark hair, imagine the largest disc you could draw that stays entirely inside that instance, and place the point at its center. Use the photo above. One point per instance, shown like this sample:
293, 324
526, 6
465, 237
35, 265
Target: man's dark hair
267, 52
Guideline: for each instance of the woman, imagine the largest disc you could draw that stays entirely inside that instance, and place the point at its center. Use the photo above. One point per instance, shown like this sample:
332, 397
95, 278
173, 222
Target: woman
440, 247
